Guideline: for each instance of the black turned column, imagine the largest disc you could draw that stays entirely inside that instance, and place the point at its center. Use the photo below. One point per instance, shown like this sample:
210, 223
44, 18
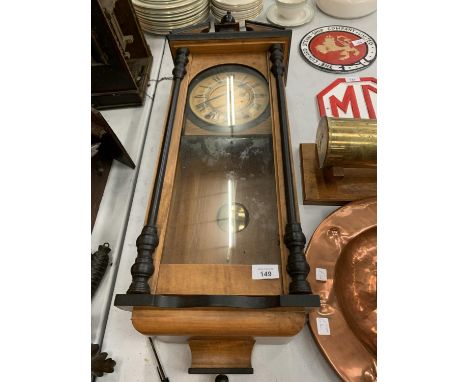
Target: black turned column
294, 239
148, 240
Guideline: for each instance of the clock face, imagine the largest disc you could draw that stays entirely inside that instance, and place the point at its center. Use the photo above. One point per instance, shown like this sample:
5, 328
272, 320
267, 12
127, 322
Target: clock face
228, 97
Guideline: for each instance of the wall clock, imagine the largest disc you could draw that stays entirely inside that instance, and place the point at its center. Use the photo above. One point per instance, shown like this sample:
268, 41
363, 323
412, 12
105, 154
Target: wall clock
223, 203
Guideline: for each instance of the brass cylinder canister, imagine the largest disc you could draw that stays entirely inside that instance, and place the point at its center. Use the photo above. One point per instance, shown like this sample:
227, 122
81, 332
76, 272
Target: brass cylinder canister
346, 142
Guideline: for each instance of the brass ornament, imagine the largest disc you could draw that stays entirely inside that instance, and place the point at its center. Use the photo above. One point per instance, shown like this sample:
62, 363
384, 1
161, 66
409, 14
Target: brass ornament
347, 142
342, 165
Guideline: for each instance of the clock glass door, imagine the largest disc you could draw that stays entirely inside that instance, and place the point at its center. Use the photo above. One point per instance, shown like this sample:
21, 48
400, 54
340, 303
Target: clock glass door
224, 203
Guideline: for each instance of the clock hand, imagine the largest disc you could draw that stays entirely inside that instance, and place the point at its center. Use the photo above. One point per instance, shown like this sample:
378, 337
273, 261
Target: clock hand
211, 99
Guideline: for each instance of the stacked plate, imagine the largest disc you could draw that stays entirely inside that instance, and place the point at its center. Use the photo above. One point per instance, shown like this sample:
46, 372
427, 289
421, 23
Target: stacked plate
240, 9
163, 16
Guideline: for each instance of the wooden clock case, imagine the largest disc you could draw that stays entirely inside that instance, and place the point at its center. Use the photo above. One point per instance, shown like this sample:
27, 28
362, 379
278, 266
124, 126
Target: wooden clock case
219, 307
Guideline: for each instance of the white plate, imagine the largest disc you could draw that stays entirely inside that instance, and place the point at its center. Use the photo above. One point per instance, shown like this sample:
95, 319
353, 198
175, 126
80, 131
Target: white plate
236, 3
233, 8
215, 9
172, 15
304, 16
166, 27
155, 21
239, 16
176, 4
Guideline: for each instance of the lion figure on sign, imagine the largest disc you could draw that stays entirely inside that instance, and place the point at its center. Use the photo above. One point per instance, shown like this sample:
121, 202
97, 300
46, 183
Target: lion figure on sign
341, 43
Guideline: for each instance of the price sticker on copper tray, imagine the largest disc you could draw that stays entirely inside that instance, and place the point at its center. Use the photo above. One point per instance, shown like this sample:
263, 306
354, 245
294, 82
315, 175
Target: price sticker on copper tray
323, 326
265, 271
320, 274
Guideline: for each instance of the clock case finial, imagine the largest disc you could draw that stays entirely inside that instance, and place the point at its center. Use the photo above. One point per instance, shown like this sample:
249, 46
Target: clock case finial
228, 24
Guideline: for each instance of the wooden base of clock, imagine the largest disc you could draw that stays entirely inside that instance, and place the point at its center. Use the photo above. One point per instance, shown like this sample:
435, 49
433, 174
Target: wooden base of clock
221, 340
221, 355
333, 186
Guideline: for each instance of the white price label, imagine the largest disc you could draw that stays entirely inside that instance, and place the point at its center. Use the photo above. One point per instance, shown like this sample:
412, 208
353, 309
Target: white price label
265, 271
353, 79
358, 42
320, 274
323, 327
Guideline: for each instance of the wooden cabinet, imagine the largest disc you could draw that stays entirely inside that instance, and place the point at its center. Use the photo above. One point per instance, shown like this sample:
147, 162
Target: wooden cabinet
120, 58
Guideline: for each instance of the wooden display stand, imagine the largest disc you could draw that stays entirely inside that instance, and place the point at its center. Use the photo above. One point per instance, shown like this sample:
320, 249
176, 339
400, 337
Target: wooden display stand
333, 185
342, 165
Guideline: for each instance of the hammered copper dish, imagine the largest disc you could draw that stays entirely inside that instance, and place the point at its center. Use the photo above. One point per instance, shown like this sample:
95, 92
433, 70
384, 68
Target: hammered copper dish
345, 244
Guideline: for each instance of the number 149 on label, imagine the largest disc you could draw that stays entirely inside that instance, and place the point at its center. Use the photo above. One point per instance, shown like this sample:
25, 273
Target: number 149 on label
265, 271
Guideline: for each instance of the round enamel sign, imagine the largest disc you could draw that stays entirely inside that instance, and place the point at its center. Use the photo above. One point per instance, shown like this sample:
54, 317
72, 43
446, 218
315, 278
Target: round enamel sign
339, 49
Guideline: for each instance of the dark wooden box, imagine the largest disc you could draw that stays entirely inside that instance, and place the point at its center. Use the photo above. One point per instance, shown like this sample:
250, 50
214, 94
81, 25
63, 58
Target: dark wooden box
109, 148
120, 57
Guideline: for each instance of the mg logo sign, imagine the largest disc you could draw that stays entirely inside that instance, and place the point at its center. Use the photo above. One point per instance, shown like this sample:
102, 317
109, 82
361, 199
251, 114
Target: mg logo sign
353, 97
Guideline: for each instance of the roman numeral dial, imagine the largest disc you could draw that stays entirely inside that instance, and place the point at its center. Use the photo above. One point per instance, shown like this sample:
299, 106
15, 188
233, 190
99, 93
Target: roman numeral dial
229, 96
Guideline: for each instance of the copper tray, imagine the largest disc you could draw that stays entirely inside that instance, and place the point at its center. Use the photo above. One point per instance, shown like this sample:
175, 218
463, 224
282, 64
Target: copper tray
345, 244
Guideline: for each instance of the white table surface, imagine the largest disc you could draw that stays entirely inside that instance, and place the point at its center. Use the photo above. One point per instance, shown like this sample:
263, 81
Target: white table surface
297, 360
